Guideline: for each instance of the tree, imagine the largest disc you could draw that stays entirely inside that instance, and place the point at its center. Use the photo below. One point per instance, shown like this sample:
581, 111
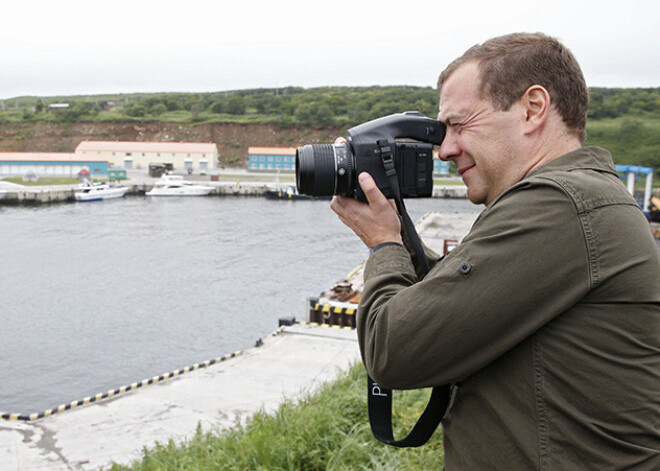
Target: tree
136, 110
313, 114
217, 107
158, 109
235, 105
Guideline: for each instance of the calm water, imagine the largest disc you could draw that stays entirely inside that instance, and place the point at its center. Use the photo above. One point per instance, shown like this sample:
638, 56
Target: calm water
98, 295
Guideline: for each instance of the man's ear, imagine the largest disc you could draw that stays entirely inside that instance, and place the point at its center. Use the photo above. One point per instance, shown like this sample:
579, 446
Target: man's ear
536, 108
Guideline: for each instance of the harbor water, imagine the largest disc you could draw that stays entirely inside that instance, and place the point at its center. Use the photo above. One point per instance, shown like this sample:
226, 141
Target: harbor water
94, 296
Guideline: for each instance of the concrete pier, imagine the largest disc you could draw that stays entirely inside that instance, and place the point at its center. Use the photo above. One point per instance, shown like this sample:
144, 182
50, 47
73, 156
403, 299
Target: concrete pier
39, 195
138, 183
116, 429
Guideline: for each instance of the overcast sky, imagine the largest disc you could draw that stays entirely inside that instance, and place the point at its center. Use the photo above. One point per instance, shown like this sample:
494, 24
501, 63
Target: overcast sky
76, 47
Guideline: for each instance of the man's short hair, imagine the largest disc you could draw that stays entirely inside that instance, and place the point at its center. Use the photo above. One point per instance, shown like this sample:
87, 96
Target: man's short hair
510, 64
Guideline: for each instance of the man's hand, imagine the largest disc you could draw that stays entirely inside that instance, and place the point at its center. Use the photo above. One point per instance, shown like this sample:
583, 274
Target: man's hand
375, 222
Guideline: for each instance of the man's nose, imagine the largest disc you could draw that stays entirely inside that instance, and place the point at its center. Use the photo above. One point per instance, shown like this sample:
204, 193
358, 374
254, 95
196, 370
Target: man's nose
449, 147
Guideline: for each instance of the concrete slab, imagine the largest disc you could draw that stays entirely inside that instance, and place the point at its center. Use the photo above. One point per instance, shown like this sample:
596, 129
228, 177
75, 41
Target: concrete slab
287, 365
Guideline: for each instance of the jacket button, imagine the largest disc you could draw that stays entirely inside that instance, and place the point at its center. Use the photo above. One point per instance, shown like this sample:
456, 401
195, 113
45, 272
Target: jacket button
464, 268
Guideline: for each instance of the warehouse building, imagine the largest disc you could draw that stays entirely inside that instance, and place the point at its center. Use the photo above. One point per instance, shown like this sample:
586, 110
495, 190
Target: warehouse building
183, 156
45, 164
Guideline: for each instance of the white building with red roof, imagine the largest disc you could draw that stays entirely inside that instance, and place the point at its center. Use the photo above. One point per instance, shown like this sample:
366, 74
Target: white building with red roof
194, 156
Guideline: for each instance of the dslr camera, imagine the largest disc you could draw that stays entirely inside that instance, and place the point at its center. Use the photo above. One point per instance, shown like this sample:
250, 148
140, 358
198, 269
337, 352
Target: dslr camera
402, 141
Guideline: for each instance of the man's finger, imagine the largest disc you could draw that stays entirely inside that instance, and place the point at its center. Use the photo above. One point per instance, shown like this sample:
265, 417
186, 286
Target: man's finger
340, 204
374, 196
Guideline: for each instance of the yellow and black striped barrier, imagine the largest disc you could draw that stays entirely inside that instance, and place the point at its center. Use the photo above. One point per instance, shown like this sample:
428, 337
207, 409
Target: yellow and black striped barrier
124, 389
331, 315
120, 390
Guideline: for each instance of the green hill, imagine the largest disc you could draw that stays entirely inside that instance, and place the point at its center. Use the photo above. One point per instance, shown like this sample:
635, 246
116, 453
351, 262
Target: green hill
624, 120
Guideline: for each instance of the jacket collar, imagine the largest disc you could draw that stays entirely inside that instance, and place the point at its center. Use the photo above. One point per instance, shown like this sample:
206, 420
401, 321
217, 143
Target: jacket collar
584, 158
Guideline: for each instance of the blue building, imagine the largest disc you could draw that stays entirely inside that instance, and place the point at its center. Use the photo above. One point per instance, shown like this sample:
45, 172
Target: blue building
440, 167
54, 164
272, 158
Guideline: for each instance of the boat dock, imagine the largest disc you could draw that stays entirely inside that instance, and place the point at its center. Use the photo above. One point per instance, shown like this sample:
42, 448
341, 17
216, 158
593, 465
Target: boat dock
64, 193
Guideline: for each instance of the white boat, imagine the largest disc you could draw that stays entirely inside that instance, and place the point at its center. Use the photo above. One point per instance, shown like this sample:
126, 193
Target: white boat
175, 185
99, 191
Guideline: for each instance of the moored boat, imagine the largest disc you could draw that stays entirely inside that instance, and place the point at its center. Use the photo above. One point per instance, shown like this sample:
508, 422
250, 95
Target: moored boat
175, 185
99, 191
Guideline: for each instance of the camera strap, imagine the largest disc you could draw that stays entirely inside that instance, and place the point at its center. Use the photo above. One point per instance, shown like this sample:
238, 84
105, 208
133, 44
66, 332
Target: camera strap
379, 398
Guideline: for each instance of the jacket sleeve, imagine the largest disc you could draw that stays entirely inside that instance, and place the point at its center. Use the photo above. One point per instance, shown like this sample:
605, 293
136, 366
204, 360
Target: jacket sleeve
432, 257
523, 263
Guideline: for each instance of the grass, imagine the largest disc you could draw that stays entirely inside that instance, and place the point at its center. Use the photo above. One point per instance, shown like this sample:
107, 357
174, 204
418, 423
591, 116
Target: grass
448, 182
43, 181
326, 430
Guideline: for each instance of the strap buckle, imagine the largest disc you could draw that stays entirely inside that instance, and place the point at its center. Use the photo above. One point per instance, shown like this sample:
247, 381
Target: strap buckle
387, 156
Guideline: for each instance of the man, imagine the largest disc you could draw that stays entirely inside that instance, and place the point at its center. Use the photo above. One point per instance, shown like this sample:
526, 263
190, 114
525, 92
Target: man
546, 318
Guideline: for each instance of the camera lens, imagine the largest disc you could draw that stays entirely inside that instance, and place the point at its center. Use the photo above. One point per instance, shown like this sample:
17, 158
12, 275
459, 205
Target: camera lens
315, 169
324, 170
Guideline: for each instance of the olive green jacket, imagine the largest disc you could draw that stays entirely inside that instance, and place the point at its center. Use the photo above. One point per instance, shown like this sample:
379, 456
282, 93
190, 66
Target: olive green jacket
546, 318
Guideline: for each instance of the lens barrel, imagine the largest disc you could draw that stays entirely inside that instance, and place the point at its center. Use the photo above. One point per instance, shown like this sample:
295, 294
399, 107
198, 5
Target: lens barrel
315, 170
324, 170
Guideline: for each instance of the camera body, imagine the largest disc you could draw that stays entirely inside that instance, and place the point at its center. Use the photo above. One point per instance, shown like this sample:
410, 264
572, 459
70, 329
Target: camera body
373, 147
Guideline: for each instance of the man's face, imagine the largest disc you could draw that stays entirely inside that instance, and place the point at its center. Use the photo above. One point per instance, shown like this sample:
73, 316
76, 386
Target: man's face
483, 143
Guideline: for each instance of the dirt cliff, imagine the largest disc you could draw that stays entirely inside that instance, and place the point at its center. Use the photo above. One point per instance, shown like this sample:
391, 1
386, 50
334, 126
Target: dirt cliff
232, 140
